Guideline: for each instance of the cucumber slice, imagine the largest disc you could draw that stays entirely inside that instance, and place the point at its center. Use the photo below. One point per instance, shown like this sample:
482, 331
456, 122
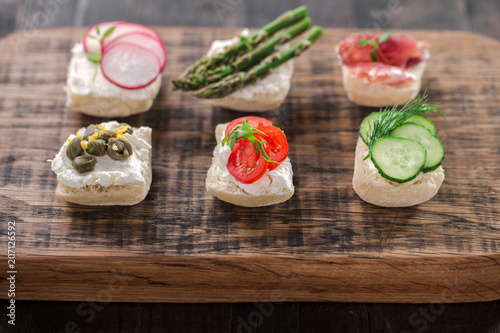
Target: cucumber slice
366, 125
434, 147
398, 159
420, 119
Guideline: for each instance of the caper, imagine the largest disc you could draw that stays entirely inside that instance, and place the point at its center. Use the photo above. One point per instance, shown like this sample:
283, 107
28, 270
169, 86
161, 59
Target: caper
84, 163
119, 149
129, 129
74, 148
97, 147
91, 129
106, 135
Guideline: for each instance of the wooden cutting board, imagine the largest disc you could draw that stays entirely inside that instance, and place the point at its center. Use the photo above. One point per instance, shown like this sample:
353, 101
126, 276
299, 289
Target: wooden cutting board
183, 245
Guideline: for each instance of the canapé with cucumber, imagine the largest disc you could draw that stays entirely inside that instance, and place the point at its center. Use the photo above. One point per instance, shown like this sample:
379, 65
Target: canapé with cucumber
398, 156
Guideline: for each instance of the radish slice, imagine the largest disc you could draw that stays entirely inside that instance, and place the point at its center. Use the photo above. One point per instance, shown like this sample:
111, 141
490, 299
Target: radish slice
121, 28
129, 66
143, 40
91, 45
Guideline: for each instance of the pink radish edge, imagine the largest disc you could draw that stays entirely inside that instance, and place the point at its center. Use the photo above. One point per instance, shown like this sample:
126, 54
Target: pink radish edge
119, 39
133, 46
135, 27
130, 26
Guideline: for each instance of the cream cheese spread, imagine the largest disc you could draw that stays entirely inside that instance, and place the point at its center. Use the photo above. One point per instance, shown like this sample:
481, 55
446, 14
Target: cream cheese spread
107, 171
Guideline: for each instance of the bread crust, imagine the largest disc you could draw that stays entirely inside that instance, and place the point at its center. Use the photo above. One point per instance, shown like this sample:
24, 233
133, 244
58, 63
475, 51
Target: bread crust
231, 192
97, 195
377, 94
370, 186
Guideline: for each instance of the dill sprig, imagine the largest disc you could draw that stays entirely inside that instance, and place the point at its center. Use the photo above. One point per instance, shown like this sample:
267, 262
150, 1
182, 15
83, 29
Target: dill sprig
243, 131
390, 118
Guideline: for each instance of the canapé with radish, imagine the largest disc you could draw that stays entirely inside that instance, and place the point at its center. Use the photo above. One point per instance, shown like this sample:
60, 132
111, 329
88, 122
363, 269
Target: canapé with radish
115, 70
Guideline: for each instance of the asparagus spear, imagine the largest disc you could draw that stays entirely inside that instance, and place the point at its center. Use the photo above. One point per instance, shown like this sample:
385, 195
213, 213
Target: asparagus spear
235, 81
197, 81
264, 49
269, 29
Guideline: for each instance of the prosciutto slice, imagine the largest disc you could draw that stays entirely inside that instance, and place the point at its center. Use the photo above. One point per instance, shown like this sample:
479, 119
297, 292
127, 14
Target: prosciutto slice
396, 57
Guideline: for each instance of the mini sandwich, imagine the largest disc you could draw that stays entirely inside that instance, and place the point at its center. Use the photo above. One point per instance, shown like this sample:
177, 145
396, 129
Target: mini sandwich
380, 70
251, 72
266, 93
250, 167
115, 71
398, 157
104, 164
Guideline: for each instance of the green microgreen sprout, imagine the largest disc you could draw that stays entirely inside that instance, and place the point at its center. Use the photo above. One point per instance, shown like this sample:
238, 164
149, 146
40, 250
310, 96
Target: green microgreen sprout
243, 131
375, 43
97, 57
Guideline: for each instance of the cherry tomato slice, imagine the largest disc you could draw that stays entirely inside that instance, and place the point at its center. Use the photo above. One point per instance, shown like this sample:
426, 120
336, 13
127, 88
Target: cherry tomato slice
245, 163
276, 145
254, 122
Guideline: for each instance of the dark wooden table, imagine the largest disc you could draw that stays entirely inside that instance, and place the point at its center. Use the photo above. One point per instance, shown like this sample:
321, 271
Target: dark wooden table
479, 16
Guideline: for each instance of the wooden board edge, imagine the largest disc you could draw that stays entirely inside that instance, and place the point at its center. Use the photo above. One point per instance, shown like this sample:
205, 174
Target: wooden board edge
430, 279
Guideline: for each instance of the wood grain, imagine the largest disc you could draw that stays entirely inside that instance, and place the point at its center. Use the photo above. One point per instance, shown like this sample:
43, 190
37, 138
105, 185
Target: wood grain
325, 244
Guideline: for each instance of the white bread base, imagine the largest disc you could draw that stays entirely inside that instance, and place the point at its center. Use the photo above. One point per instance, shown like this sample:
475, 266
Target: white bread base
111, 106
231, 192
234, 195
97, 195
370, 186
376, 94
